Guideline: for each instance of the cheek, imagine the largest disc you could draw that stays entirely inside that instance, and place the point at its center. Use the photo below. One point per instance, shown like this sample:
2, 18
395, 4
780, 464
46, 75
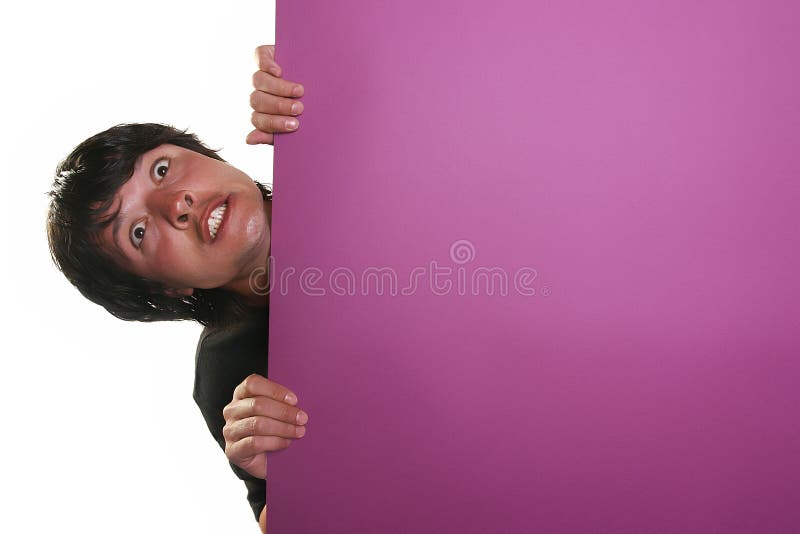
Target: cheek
180, 263
256, 224
172, 260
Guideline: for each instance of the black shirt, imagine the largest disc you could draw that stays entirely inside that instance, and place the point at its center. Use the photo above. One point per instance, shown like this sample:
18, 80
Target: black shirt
224, 358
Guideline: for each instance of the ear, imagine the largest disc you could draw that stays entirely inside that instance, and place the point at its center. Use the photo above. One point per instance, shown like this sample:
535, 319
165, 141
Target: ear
175, 293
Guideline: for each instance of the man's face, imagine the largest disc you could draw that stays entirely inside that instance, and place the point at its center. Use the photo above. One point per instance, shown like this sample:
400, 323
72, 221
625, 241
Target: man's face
162, 231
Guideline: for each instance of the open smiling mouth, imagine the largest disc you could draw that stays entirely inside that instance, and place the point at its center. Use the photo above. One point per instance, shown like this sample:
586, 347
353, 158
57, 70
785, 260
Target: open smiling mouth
215, 219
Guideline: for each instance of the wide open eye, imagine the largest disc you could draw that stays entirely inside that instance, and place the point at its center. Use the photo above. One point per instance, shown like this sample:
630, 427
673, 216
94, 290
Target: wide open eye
160, 168
137, 234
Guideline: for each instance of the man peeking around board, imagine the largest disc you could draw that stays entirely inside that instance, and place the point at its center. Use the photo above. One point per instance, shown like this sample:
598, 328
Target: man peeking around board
151, 224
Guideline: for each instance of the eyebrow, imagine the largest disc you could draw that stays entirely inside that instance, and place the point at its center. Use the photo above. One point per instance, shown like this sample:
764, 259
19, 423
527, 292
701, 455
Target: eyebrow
115, 229
115, 216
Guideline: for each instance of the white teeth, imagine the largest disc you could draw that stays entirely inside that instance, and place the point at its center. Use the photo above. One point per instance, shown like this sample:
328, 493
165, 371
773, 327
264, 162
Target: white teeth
215, 219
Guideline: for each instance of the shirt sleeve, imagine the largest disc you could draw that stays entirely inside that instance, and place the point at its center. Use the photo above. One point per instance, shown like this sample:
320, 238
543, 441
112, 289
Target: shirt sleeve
224, 358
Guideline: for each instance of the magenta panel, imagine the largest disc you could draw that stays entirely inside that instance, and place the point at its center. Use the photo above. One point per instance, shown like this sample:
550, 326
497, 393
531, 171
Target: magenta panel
536, 267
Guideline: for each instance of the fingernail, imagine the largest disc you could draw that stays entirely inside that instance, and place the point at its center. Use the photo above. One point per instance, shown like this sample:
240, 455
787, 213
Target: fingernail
275, 70
291, 125
291, 398
297, 90
301, 431
302, 418
297, 107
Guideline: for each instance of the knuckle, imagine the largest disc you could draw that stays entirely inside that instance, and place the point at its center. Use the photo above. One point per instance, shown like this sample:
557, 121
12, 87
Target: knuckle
286, 87
252, 377
261, 405
263, 55
268, 124
252, 426
261, 102
249, 383
280, 391
259, 79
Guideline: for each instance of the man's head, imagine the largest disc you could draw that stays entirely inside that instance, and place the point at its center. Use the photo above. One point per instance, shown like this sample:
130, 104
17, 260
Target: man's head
151, 224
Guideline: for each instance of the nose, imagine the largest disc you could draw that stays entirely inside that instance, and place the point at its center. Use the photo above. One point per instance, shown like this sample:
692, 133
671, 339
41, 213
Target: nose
176, 207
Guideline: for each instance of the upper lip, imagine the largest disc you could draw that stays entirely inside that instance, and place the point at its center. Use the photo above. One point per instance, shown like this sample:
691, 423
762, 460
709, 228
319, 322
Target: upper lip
212, 205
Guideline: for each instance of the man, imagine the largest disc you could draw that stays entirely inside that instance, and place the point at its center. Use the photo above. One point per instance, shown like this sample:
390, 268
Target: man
151, 224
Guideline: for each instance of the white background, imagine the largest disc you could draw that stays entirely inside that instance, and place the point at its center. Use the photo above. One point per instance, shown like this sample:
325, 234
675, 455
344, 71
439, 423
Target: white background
99, 430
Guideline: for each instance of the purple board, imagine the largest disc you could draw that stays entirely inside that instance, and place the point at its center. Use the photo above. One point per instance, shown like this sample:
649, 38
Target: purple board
536, 267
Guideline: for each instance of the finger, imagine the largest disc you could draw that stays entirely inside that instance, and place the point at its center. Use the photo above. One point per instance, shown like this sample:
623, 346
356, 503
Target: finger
273, 123
250, 446
257, 137
263, 81
267, 103
256, 385
265, 57
261, 426
266, 407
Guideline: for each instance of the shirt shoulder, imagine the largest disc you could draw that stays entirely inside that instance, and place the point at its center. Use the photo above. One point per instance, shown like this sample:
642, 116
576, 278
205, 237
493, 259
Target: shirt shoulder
226, 356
